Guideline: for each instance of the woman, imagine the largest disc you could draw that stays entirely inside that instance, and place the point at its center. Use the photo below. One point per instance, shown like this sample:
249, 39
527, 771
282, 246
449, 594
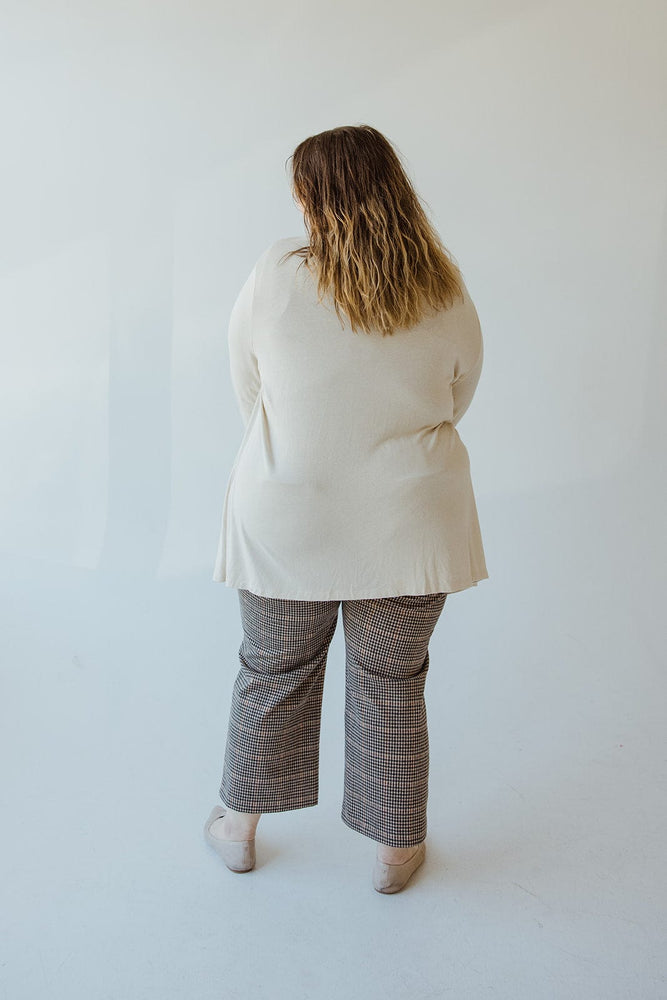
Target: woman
352, 358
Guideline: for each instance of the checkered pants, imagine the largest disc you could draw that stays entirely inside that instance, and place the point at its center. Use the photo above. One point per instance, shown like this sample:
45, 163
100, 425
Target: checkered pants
272, 751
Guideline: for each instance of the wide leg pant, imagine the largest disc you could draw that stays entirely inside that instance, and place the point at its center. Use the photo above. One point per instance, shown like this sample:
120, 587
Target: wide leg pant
272, 751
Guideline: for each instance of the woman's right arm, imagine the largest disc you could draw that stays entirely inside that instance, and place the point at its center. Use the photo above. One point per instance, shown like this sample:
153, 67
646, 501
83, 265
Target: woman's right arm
463, 388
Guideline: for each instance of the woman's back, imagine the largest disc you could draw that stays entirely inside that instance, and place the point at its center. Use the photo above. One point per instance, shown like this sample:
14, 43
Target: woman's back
351, 480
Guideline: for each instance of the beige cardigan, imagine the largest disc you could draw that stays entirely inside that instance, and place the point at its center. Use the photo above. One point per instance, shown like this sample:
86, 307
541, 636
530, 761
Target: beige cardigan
351, 480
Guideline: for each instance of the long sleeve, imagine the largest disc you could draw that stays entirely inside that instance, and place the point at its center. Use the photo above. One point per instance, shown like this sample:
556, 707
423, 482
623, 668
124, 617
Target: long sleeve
463, 388
242, 361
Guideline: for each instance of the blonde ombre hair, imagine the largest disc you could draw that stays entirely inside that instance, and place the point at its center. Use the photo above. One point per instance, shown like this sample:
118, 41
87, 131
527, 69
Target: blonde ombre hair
371, 244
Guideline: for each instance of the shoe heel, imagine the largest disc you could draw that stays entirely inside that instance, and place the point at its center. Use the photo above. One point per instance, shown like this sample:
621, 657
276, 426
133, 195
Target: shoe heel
238, 855
392, 878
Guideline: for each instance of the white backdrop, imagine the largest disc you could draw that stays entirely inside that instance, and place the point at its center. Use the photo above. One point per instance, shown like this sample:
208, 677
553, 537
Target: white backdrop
143, 171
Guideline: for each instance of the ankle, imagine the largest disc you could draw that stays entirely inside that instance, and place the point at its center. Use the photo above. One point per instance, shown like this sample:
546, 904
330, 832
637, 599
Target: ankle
241, 825
395, 855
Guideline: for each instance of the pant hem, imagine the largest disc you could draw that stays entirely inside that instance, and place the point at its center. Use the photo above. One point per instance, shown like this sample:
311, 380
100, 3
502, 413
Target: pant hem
256, 806
375, 834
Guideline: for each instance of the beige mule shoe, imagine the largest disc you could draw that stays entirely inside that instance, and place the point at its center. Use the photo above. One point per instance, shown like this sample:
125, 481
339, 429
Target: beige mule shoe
393, 878
238, 855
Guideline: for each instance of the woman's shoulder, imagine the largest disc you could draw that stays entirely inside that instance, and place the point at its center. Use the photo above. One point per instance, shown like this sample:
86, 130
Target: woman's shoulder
273, 254
276, 249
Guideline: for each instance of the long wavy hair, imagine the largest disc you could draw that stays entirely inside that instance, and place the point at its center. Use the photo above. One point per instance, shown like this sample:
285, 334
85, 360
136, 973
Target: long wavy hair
371, 244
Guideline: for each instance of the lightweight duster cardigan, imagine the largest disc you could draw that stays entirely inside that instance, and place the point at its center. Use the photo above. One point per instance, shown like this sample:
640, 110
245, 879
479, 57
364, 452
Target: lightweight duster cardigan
351, 480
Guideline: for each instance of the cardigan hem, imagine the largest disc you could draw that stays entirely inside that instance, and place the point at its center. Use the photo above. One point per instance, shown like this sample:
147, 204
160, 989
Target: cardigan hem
329, 595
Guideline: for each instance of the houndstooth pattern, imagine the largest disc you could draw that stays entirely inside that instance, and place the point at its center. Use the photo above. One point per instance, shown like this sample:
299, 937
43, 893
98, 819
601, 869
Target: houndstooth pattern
271, 759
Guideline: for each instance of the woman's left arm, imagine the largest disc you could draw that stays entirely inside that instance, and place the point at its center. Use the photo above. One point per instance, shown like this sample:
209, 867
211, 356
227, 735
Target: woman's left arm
242, 360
